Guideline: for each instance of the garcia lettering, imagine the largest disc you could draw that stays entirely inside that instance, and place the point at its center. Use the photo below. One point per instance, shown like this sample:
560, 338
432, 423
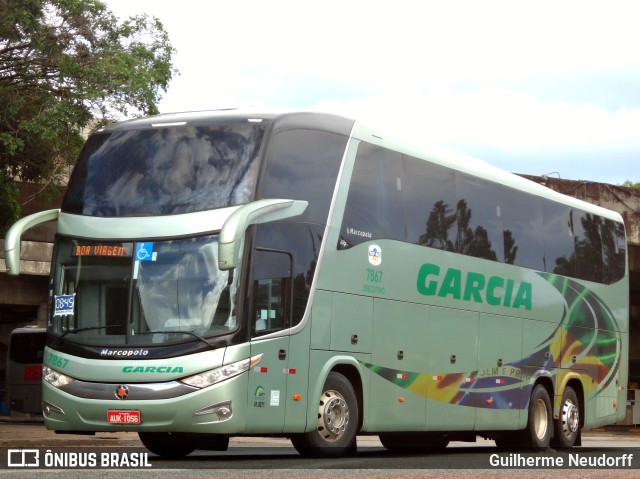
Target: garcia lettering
152, 369
473, 286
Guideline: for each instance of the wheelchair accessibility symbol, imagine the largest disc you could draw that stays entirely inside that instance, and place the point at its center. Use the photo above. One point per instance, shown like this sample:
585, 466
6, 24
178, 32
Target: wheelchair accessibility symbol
144, 251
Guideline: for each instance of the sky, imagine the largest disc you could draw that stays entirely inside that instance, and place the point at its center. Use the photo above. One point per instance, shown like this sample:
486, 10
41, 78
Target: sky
535, 87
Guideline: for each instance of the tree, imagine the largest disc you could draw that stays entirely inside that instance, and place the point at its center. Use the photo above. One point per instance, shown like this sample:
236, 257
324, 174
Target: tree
631, 184
67, 66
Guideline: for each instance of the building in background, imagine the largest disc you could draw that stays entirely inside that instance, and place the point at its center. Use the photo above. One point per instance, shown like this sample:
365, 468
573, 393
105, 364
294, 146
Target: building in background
23, 299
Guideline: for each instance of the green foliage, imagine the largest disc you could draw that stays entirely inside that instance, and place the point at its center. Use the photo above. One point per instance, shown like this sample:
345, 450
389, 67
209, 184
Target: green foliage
10, 210
68, 66
631, 184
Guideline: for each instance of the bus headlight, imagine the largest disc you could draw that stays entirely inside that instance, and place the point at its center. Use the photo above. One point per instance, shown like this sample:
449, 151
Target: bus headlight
214, 376
55, 378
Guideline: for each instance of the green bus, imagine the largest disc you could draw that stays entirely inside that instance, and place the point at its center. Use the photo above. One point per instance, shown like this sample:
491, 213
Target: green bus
303, 275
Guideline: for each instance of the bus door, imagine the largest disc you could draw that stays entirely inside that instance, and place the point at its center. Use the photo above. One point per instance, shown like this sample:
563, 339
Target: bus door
24, 369
271, 292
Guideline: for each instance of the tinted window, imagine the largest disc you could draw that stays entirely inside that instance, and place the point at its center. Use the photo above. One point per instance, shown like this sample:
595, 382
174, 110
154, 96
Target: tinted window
558, 238
375, 206
614, 247
430, 204
479, 221
271, 291
453, 211
27, 348
588, 246
522, 228
303, 165
165, 170
302, 241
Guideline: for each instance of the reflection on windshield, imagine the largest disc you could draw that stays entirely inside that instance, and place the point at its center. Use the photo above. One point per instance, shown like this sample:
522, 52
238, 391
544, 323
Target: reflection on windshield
162, 171
183, 289
147, 293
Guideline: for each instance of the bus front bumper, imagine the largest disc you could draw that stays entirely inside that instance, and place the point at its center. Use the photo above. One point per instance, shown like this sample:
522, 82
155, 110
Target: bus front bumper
218, 409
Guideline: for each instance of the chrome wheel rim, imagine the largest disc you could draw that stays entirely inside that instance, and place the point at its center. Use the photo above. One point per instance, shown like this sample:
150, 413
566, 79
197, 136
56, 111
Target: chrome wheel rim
570, 418
333, 416
540, 419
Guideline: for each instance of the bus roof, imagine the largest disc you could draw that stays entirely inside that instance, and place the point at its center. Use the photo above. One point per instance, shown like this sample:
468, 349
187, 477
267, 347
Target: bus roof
413, 145
305, 119
392, 135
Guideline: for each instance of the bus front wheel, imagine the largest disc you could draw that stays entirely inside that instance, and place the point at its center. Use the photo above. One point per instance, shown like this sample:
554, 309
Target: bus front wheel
336, 425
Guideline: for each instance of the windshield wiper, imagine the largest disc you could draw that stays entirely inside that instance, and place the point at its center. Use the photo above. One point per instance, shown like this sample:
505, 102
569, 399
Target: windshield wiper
190, 333
79, 330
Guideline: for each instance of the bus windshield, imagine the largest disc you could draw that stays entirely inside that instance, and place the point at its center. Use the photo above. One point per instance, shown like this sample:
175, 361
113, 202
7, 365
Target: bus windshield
140, 293
165, 171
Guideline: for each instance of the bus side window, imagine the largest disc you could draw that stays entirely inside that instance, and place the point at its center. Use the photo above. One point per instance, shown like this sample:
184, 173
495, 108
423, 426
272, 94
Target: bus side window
614, 246
523, 229
430, 204
375, 206
559, 240
588, 256
316, 156
272, 283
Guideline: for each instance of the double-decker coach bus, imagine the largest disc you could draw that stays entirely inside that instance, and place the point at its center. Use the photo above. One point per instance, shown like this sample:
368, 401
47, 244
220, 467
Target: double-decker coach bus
301, 275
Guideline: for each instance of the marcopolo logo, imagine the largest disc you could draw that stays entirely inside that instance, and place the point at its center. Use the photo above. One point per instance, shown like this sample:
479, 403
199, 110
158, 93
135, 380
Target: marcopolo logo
472, 286
124, 352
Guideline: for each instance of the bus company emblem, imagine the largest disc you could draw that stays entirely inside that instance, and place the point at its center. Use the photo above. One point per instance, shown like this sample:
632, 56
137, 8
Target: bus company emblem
375, 255
259, 397
122, 391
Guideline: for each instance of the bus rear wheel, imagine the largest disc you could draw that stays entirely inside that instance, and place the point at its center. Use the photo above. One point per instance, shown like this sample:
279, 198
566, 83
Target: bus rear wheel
166, 444
337, 421
568, 424
537, 435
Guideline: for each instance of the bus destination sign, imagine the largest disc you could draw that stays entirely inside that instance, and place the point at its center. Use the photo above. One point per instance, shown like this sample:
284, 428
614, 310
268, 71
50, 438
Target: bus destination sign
102, 250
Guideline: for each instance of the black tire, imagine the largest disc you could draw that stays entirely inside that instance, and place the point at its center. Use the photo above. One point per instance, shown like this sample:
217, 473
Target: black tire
337, 421
568, 424
413, 441
165, 444
538, 433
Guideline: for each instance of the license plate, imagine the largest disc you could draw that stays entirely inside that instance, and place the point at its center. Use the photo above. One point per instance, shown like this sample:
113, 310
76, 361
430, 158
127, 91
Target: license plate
124, 417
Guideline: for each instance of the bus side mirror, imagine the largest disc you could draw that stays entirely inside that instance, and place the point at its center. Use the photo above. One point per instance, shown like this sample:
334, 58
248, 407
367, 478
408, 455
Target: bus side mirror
261, 211
12, 239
